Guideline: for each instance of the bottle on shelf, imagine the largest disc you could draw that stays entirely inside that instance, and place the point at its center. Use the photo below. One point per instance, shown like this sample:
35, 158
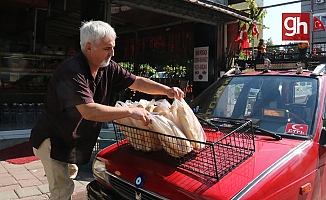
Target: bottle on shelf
5, 113
38, 110
25, 105
20, 114
13, 113
30, 113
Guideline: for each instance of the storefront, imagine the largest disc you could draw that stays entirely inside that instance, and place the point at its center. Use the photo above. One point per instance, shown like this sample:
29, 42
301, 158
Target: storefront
39, 34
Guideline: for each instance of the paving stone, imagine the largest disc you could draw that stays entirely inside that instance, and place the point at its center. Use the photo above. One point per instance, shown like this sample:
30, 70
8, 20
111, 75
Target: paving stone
40, 197
39, 174
77, 184
13, 169
16, 169
28, 191
6, 174
35, 165
23, 176
10, 194
5, 181
79, 195
44, 188
80, 188
2, 170
9, 187
30, 182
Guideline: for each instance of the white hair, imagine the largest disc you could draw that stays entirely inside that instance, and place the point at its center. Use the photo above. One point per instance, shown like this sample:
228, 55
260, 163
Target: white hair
94, 31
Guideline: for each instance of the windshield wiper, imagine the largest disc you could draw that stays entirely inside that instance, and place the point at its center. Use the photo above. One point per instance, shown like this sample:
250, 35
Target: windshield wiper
265, 132
207, 122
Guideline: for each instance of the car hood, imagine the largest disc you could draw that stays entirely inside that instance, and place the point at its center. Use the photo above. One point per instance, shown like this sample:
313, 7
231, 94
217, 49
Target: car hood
174, 182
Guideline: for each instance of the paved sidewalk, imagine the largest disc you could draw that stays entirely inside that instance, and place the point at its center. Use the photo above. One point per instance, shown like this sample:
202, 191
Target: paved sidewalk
28, 182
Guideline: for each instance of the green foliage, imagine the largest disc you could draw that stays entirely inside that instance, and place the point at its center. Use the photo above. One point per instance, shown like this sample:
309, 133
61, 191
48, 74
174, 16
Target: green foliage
255, 12
269, 42
127, 65
175, 71
145, 70
270, 45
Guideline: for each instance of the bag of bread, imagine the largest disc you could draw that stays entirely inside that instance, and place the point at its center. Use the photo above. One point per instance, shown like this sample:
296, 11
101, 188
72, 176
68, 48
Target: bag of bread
148, 141
190, 125
174, 146
139, 139
162, 106
135, 140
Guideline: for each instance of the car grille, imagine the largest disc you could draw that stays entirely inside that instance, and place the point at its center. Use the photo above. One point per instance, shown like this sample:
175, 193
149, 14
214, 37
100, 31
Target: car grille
130, 191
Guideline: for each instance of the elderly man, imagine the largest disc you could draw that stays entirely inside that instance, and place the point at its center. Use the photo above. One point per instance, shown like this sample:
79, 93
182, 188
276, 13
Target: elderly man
77, 102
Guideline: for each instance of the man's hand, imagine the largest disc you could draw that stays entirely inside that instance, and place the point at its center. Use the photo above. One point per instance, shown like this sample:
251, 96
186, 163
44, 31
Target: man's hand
175, 92
140, 114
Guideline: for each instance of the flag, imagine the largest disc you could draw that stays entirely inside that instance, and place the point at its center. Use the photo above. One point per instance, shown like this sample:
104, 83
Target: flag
318, 24
242, 35
243, 38
255, 30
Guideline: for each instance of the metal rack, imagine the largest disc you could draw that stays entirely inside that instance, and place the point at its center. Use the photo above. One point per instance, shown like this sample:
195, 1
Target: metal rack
227, 146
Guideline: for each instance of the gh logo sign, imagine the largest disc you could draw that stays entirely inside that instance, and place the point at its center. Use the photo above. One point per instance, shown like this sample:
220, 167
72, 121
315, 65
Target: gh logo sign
295, 26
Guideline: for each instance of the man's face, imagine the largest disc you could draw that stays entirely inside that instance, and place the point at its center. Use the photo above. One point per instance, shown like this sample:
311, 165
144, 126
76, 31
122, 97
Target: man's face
102, 54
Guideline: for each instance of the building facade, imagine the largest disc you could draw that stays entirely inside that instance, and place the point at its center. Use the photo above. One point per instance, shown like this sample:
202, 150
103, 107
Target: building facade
37, 35
318, 9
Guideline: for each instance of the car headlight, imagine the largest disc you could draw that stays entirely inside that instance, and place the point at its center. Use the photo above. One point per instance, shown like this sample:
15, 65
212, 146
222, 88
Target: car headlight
99, 169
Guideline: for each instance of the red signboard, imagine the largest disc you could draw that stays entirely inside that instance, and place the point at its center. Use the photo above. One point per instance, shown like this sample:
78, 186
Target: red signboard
295, 26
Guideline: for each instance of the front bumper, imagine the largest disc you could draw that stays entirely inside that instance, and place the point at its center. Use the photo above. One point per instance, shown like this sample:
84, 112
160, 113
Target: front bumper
96, 191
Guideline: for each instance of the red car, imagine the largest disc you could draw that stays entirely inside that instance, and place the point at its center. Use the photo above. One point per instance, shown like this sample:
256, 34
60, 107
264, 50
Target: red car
265, 139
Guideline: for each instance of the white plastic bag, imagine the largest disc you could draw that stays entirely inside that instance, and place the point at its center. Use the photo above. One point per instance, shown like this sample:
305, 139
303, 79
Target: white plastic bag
170, 139
189, 123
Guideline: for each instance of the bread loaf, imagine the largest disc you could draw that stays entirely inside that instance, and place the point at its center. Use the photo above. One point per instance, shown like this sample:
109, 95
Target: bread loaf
190, 125
132, 138
148, 141
173, 146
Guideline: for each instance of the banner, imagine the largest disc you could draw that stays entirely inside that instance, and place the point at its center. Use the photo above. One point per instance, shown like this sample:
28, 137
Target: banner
296, 26
255, 31
201, 64
318, 24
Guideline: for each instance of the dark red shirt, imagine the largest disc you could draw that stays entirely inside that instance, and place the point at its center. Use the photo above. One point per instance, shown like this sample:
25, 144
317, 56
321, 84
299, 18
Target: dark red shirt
72, 137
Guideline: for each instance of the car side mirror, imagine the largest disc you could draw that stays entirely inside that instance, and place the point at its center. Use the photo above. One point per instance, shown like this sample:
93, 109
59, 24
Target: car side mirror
322, 140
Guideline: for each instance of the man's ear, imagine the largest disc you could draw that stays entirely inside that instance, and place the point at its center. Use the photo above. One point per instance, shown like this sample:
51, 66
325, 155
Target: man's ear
88, 46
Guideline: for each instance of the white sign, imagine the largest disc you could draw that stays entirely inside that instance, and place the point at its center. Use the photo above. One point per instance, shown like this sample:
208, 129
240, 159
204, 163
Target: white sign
201, 64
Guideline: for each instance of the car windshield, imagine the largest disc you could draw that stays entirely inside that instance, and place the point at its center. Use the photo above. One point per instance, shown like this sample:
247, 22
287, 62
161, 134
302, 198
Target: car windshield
280, 104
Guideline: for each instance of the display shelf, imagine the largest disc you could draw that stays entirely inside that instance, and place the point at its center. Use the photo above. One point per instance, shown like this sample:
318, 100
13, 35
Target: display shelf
24, 70
23, 80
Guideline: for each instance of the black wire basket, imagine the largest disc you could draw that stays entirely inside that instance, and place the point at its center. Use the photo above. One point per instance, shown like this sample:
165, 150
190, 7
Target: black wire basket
228, 144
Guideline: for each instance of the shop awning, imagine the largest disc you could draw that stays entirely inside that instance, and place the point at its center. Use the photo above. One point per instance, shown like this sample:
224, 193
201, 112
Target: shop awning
199, 11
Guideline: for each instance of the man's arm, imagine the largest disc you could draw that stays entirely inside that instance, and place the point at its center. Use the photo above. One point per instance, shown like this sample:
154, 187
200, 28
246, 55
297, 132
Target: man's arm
102, 113
148, 86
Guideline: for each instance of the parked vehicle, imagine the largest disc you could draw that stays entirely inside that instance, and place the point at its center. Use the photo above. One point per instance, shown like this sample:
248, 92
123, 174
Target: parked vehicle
266, 139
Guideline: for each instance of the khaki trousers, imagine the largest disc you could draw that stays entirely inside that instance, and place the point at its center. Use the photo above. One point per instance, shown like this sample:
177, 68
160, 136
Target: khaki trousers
59, 174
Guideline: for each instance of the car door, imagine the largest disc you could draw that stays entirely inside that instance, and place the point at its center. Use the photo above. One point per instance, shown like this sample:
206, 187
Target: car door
321, 178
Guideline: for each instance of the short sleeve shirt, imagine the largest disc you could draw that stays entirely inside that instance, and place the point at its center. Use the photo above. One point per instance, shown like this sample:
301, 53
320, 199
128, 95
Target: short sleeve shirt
72, 137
